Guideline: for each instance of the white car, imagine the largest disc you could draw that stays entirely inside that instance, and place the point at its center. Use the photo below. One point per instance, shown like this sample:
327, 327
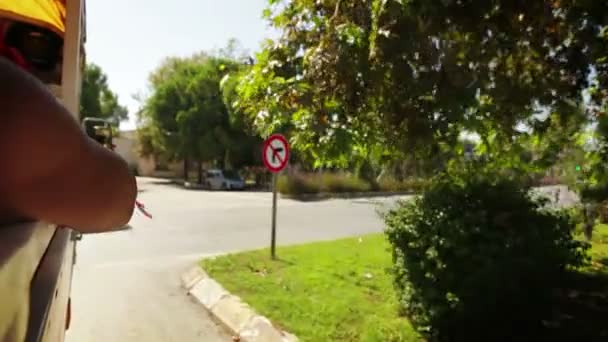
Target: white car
224, 180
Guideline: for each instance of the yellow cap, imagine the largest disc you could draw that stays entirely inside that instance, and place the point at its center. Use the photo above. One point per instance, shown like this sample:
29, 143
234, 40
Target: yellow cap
46, 13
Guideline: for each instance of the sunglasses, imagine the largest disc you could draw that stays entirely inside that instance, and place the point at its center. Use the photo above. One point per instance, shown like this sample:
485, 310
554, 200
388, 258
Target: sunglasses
31, 46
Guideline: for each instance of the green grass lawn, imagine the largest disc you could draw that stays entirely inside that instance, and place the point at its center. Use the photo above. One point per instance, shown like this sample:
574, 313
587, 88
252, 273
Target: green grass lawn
327, 291
599, 250
341, 291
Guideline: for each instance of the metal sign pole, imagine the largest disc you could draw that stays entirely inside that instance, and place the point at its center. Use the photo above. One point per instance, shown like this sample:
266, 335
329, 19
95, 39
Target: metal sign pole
275, 156
273, 238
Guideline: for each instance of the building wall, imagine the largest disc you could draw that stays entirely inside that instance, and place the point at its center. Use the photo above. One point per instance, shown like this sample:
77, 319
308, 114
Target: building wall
146, 167
125, 147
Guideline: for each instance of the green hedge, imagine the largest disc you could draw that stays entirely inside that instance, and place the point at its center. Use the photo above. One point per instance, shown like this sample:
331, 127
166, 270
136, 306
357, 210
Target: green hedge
321, 183
301, 183
475, 259
297, 184
392, 184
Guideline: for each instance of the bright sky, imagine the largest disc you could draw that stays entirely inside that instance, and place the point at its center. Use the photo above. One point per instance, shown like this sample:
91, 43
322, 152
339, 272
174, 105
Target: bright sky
128, 39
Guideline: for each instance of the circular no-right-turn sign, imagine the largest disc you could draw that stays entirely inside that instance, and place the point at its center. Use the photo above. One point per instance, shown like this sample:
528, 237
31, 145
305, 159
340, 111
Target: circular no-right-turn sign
275, 153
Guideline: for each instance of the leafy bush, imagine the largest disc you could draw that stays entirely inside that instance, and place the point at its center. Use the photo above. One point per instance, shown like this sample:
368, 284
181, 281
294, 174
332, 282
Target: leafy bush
475, 258
391, 184
318, 183
341, 182
603, 212
297, 184
594, 193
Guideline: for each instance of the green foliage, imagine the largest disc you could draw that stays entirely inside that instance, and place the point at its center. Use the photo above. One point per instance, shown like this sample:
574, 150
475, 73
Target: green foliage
592, 180
298, 183
186, 114
301, 183
391, 74
415, 185
594, 193
342, 182
475, 256
150, 139
96, 98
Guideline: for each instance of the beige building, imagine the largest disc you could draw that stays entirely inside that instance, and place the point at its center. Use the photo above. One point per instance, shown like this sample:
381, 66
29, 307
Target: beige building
126, 147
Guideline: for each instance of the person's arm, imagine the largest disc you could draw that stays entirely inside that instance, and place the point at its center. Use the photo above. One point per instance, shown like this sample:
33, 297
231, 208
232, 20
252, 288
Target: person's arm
49, 169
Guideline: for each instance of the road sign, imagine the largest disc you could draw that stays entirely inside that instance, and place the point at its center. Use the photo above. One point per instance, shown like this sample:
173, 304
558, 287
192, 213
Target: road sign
276, 156
276, 153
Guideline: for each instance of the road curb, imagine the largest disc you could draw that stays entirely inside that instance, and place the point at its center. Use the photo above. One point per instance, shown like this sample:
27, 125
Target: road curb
230, 310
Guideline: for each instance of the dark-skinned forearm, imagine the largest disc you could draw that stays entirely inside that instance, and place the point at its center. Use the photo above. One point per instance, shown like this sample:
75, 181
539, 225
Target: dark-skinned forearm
51, 170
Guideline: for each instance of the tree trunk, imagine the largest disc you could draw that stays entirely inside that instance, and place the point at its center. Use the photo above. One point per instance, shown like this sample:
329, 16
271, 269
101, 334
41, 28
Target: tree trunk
186, 169
589, 216
227, 163
200, 172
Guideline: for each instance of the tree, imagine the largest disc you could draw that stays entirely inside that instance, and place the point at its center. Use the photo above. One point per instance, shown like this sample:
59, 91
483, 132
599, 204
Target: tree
185, 117
412, 75
96, 98
247, 142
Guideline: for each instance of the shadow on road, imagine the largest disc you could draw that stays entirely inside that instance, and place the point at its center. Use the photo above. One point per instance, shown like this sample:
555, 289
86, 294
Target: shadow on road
580, 309
176, 183
121, 229
162, 181
179, 184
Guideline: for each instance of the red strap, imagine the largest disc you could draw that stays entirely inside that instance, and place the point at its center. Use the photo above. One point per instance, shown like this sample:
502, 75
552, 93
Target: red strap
11, 53
142, 209
14, 56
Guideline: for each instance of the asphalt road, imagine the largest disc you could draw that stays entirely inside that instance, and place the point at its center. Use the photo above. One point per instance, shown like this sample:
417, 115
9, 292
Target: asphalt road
126, 284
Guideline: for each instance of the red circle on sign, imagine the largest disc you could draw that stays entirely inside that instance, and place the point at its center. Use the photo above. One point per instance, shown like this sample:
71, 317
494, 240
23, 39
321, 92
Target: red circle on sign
279, 161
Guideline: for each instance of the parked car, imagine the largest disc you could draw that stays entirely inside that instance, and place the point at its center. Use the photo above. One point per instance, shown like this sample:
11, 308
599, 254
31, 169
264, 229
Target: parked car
224, 180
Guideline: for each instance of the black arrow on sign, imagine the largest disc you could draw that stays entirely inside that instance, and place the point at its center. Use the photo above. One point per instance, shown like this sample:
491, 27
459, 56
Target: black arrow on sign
275, 154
